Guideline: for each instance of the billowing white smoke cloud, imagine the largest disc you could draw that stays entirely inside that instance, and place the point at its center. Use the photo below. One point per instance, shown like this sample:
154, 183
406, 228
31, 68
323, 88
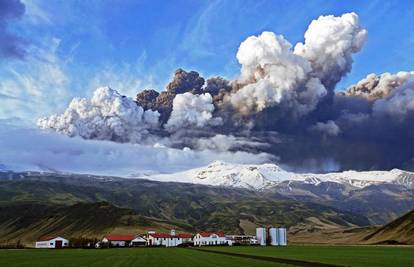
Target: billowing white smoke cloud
191, 110
399, 103
106, 116
378, 86
25, 148
272, 74
329, 44
327, 128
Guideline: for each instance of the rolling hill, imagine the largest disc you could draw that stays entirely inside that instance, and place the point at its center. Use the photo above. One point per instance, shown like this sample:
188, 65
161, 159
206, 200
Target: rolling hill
147, 204
399, 231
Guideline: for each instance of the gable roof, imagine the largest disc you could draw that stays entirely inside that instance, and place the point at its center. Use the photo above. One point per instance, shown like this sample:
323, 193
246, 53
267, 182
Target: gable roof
165, 235
161, 235
208, 234
119, 237
185, 235
139, 238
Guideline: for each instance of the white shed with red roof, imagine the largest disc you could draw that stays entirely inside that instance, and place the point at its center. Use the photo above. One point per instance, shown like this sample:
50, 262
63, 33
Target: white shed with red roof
52, 242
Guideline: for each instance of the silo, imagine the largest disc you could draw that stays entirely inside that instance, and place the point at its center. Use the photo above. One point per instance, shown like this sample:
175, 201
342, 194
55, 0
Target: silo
261, 236
282, 236
274, 234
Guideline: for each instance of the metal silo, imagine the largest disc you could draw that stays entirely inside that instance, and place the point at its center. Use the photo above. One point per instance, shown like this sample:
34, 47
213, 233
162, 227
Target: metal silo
261, 236
273, 234
282, 236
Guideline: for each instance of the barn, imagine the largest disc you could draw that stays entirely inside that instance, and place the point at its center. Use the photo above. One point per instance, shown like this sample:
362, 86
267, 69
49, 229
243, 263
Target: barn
52, 242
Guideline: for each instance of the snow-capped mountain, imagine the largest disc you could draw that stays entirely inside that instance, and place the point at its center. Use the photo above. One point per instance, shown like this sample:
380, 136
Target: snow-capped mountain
269, 175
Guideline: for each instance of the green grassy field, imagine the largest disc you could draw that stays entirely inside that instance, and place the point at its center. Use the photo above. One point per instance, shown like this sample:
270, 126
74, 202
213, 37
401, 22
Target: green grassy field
358, 256
163, 257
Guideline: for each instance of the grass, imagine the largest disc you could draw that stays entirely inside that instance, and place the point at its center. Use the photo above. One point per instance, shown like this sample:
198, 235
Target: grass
356, 256
170, 257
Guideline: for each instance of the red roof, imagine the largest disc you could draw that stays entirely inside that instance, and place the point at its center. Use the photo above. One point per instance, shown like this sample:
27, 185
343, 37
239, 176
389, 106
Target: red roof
119, 237
207, 234
161, 235
165, 235
185, 235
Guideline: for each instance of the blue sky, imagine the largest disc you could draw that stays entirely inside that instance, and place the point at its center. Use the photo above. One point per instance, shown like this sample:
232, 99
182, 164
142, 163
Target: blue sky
74, 46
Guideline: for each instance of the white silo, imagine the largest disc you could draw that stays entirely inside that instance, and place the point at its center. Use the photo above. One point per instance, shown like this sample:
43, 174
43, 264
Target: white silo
261, 236
274, 236
282, 236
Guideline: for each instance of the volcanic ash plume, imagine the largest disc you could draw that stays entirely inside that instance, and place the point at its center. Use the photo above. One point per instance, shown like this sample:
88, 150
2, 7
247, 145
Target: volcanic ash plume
329, 44
273, 74
283, 103
106, 116
399, 104
378, 86
191, 110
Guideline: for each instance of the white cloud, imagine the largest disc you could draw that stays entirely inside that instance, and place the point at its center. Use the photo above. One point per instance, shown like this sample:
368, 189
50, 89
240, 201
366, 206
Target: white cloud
34, 149
272, 74
329, 44
36, 86
191, 110
106, 116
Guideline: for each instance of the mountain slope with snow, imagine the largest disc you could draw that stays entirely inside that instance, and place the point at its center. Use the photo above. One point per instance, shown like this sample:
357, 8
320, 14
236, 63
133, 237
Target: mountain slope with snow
266, 176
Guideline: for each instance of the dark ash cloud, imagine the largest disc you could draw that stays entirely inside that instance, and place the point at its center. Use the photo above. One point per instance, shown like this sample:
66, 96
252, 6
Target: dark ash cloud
283, 104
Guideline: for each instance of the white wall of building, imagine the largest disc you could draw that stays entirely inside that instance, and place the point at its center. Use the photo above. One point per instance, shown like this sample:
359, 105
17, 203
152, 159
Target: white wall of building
164, 241
211, 240
52, 243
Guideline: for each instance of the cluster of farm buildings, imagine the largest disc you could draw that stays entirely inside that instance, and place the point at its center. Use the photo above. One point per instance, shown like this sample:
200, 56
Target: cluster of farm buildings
264, 236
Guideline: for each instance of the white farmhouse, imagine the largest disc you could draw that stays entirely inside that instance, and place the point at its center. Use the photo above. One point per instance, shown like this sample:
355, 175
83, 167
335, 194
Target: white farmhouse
118, 240
168, 240
52, 242
209, 239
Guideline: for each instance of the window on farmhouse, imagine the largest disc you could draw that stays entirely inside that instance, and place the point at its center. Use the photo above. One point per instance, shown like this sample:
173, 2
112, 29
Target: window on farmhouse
51, 244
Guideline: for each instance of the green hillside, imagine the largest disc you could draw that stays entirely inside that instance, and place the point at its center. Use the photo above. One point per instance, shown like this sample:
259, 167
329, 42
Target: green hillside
45, 204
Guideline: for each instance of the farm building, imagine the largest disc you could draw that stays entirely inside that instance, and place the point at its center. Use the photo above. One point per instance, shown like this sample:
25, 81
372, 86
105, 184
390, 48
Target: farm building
209, 239
168, 240
138, 241
272, 236
118, 240
52, 242
278, 236
241, 240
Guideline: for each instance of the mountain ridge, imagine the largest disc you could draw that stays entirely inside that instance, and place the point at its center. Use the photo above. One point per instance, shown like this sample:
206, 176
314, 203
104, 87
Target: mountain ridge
265, 176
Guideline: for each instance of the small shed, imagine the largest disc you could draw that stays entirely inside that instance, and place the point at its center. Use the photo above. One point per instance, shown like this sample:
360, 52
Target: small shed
52, 242
138, 241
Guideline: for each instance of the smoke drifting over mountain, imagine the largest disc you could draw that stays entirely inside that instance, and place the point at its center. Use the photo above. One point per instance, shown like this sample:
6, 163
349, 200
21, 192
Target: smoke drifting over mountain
283, 103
